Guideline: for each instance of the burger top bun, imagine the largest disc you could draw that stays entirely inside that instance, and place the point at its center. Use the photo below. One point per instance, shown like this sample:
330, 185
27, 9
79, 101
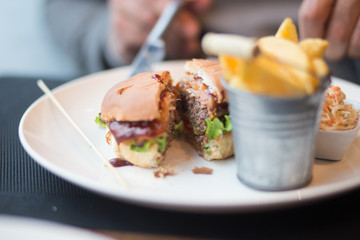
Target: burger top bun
135, 99
210, 72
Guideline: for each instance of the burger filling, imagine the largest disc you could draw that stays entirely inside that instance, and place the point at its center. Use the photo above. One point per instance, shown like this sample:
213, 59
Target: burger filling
204, 116
141, 135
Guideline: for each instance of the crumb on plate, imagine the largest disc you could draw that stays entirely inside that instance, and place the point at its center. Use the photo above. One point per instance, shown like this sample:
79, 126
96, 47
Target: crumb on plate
202, 170
162, 172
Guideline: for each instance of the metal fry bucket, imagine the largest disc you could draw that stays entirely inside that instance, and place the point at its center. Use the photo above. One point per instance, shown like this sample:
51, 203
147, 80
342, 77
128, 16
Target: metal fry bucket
274, 137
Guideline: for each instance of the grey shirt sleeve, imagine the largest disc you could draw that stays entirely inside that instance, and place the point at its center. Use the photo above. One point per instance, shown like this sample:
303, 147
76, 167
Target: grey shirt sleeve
80, 28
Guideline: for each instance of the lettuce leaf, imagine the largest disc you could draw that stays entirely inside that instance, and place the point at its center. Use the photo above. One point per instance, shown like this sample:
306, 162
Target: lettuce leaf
145, 147
216, 127
179, 129
228, 124
161, 141
100, 122
207, 147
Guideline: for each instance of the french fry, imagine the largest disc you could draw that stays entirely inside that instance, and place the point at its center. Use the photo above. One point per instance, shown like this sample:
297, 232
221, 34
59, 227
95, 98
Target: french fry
314, 47
285, 51
287, 30
320, 67
275, 65
261, 75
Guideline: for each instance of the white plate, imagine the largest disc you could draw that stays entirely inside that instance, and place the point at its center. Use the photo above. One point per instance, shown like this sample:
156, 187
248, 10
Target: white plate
48, 137
20, 228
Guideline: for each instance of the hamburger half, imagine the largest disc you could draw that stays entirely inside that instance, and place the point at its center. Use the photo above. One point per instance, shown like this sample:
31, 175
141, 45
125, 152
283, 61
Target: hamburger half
140, 114
206, 120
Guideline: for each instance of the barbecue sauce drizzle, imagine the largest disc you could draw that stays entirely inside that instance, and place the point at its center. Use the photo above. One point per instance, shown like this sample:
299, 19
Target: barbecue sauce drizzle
118, 162
123, 131
126, 130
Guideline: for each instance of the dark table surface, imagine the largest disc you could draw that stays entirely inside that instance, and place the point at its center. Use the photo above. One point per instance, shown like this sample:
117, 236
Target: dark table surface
27, 189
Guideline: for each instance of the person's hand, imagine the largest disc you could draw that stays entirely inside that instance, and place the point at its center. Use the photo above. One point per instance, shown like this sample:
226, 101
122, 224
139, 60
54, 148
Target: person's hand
336, 21
132, 21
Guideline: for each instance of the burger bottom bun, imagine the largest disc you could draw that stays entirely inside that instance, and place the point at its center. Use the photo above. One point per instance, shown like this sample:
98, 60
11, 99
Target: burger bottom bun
150, 159
220, 148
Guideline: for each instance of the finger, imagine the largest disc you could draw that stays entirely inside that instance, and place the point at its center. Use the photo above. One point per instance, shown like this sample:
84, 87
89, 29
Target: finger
340, 28
118, 48
158, 6
181, 48
185, 25
139, 13
174, 47
128, 32
186, 30
199, 6
313, 16
354, 48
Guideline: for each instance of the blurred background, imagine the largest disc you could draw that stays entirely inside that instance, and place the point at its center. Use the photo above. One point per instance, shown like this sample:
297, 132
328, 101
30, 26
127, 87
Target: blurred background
27, 48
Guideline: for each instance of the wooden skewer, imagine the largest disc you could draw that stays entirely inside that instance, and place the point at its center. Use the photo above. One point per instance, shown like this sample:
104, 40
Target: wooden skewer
47, 91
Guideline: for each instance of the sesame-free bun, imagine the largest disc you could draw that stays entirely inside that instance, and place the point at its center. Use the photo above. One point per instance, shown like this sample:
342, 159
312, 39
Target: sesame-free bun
210, 72
220, 148
135, 99
150, 159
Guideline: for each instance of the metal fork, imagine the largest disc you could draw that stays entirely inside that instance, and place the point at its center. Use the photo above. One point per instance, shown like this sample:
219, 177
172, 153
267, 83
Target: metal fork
153, 50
